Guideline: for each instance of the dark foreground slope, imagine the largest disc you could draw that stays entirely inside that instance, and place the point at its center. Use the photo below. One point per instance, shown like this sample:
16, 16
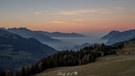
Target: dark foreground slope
104, 66
121, 64
69, 58
16, 51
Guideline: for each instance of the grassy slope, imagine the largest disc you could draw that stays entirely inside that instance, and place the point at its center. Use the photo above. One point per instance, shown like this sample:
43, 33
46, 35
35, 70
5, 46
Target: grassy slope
122, 65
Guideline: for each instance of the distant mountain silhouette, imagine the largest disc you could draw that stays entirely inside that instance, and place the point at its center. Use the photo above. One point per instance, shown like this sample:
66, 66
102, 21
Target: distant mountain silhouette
45, 37
16, 51
59, 34
27, 33
116, 36
110, 34
78, 47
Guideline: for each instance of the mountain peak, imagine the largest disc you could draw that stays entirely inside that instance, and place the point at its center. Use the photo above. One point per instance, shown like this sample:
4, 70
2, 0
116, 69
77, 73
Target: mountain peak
21, 28
110, 34
116, 36
5, 33
113, 31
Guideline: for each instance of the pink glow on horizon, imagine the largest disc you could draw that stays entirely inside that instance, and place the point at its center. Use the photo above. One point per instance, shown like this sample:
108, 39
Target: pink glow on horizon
79, 28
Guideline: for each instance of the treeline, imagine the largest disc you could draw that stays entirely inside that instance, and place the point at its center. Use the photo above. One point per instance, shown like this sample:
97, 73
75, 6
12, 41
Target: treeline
66, 58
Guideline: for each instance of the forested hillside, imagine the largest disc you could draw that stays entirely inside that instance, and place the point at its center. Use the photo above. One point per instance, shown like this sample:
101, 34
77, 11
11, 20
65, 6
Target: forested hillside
66, 58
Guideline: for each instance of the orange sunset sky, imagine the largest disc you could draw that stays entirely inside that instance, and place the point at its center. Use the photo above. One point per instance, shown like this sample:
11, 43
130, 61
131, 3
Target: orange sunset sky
81, 16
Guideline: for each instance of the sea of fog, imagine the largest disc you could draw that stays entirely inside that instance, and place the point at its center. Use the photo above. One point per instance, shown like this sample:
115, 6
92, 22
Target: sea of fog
71, 42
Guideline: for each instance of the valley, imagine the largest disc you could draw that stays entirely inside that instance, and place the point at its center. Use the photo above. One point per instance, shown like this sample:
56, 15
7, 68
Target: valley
27, 55
67, 37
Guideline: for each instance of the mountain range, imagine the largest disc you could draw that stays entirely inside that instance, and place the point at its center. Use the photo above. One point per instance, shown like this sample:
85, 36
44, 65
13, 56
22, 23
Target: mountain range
16, 51
45, 37
60, 34
22, 46
117, 36
26, 33
42, 36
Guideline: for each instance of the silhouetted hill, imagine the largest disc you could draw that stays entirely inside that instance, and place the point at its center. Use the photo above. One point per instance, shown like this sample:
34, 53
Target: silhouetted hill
59, 34
110, 34
78, 47
116, 36
16, 51
26, 33
122, 64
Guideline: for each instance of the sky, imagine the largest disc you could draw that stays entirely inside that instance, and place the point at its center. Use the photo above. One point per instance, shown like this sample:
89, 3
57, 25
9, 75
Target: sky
81, 16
